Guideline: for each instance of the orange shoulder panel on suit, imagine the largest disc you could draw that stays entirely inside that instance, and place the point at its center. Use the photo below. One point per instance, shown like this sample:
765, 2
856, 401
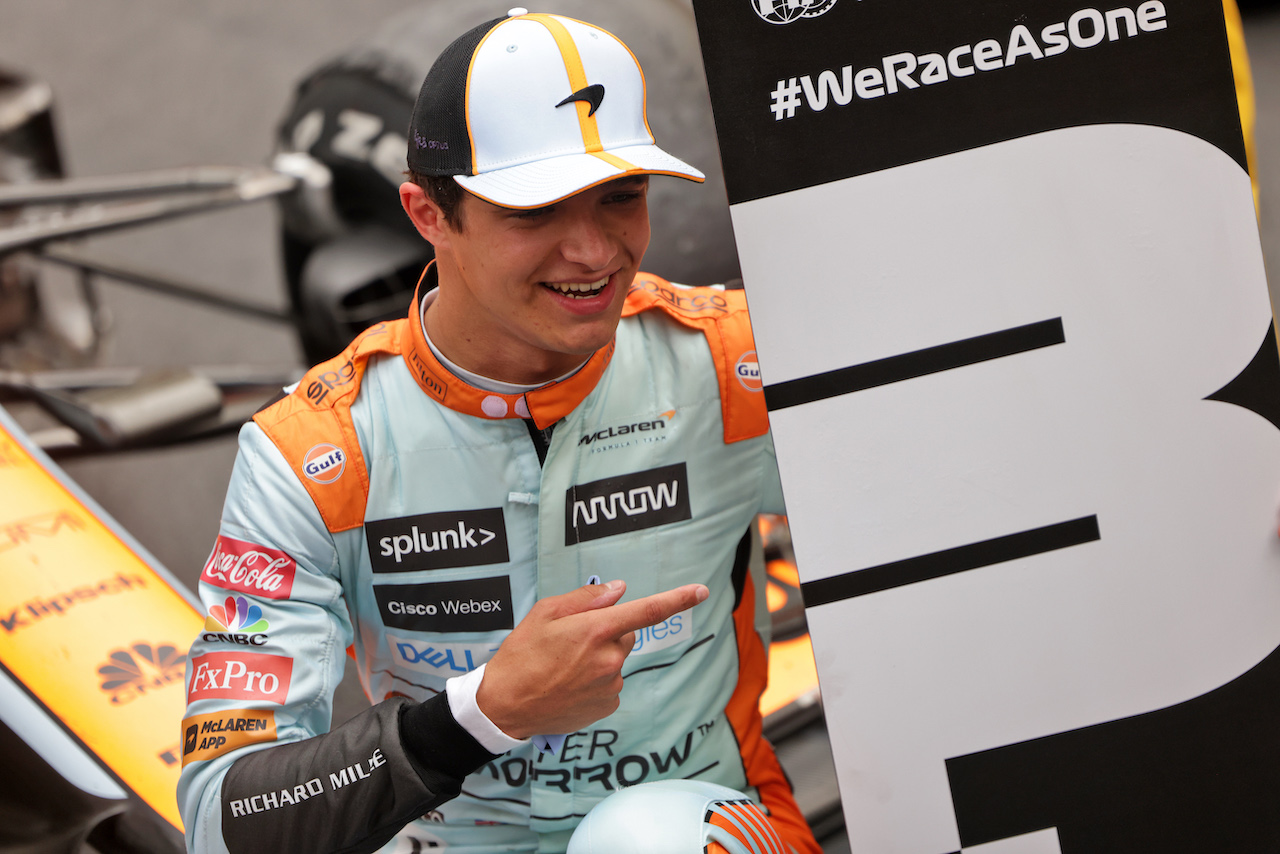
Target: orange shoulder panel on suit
721, 315
313, 429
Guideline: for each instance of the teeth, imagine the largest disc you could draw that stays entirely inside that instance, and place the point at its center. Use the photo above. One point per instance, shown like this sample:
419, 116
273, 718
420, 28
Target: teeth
578, 290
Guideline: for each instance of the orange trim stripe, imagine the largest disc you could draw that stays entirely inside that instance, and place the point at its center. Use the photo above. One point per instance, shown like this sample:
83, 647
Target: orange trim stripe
755, 821
466, 98
616, 161
743, 711
577, 78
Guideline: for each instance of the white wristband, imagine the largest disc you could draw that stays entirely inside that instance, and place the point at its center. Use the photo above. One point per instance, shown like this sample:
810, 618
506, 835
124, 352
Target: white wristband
461, 691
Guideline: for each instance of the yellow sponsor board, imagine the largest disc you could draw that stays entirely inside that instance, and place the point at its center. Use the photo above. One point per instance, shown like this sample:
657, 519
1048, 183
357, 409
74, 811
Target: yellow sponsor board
91, 629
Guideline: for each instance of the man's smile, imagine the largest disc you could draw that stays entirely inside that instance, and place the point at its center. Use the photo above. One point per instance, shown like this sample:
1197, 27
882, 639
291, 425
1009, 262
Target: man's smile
578, 290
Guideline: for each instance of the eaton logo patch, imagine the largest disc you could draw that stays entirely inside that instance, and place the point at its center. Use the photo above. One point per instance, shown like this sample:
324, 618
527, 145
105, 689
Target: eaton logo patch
437, 540
630, 502
237, 620
439, 659
324, 463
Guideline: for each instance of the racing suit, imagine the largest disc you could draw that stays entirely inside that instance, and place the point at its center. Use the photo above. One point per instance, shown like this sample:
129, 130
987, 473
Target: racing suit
388, 510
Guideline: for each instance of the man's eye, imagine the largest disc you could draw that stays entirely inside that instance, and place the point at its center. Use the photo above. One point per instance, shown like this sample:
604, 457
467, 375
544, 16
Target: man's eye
623, 198
536, 213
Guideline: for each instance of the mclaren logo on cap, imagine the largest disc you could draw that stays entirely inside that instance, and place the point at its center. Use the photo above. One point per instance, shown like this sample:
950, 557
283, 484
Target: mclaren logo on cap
593, 95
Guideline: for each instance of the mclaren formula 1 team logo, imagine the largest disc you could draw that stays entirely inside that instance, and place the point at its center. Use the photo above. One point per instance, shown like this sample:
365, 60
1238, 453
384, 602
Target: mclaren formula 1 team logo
630, 502
786, 11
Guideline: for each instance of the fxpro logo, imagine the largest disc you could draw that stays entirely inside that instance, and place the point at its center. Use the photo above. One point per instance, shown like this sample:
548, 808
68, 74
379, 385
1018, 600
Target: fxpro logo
631, 502
437, 540
786, 11
240, 676
324, 463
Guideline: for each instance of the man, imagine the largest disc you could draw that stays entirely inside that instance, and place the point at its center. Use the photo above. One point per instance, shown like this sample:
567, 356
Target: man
442, 499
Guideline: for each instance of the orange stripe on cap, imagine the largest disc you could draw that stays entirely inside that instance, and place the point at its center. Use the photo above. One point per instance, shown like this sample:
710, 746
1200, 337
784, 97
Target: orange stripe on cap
615, 161
577, 78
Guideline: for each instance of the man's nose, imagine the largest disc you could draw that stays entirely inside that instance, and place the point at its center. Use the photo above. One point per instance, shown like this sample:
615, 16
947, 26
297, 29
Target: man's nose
586, 241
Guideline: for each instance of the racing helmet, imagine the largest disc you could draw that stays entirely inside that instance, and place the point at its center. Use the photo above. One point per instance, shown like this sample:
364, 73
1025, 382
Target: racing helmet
676, 817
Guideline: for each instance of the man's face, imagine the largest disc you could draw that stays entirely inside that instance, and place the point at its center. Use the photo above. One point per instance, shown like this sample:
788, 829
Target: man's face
527, 295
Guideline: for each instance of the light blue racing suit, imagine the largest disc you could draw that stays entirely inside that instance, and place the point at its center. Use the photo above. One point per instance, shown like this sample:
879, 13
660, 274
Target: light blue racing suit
386, 507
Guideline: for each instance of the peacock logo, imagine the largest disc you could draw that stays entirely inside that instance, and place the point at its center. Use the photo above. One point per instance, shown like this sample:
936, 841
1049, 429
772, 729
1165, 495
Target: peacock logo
130, 673
236, 614
236, 620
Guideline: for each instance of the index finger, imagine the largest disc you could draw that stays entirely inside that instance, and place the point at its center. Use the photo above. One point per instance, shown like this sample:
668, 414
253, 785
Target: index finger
651, 610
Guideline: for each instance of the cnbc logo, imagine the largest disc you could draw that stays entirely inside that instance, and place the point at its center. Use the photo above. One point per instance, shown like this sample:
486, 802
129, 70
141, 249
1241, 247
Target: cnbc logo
236, 621
129, 673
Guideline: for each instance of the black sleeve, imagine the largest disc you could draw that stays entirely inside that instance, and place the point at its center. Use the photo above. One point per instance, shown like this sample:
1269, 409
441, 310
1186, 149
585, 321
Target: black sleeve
352, 789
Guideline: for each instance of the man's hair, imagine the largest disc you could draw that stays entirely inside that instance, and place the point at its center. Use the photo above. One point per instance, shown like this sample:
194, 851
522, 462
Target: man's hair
445, 192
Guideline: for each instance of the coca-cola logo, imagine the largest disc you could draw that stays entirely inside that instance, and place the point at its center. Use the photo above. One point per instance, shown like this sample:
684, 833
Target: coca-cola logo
250, 568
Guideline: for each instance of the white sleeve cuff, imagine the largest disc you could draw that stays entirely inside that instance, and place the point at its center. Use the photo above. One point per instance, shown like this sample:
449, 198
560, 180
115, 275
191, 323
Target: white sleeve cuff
461, 691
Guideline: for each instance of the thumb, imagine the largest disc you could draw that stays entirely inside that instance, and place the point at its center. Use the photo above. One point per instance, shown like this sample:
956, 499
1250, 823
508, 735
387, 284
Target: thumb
589, 598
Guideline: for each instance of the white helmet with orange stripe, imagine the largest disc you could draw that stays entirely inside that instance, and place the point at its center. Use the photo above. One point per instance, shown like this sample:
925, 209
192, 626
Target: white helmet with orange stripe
676, 817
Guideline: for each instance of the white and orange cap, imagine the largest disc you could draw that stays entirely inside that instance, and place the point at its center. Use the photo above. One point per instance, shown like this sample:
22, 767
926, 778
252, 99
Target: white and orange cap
529, 109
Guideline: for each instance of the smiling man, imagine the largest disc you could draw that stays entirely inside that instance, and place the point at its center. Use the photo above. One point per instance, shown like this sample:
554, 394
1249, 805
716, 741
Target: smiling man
442, 499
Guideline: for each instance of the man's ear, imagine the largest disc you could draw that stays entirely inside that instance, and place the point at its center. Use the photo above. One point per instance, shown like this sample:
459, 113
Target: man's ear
425, 214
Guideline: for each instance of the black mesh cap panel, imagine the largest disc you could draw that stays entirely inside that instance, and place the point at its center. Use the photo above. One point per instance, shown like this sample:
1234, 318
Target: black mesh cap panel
438, 139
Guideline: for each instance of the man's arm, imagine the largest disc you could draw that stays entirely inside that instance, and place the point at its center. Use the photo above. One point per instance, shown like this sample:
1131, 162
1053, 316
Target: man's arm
261, 772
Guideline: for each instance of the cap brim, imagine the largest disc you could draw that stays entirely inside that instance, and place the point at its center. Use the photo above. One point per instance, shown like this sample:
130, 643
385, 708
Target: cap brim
545, 182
